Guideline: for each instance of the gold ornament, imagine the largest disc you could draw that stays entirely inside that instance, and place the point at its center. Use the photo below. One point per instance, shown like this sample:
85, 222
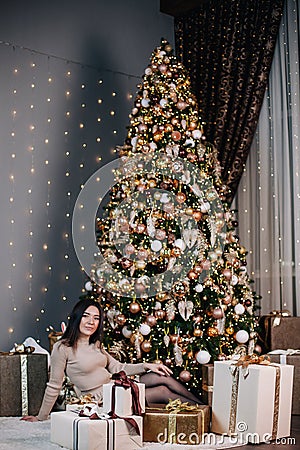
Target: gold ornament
230, 330
136, 336
212, 331
146, 346
198, 332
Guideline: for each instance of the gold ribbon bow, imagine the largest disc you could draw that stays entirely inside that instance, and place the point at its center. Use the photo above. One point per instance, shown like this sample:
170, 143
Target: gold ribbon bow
246, 360
177, 406
82, 400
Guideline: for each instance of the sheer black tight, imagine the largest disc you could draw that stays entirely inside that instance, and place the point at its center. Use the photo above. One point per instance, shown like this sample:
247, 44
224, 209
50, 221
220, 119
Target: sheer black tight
160, 389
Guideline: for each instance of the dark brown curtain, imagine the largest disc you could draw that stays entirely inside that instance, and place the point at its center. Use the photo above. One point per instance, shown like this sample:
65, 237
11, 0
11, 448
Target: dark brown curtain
227, 46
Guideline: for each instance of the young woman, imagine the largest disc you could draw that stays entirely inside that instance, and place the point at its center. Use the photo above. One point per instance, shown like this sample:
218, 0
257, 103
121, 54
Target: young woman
79, 354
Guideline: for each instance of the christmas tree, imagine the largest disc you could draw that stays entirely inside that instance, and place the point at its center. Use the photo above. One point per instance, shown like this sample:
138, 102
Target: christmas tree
171, 273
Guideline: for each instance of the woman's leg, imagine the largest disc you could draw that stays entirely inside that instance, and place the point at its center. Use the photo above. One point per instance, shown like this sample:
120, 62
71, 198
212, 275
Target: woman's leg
155, 388
162, 394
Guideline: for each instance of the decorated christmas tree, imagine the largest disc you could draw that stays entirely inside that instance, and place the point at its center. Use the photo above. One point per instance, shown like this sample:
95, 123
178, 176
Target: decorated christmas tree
171, 274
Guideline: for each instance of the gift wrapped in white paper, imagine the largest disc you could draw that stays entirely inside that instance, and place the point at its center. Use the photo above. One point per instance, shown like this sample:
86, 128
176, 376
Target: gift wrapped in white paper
256, 403
81, 433
123, 399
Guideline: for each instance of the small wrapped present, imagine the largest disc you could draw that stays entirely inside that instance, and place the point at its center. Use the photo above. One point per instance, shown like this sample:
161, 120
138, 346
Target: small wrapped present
178, 422
75, 432
291, 357
123, 396
253, 397
207, 383
78, 403
23, 378
279, 330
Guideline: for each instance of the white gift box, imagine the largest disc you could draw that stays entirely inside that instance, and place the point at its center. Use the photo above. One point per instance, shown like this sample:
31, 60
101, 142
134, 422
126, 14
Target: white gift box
123, 399
255, 403
81, 433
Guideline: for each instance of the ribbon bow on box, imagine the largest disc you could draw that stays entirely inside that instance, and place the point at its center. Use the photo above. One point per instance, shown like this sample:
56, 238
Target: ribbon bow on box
178, 406
19, 349
120, 379
245, 361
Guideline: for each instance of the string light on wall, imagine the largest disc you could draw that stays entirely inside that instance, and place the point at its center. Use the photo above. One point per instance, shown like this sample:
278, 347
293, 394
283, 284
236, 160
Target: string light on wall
62, 120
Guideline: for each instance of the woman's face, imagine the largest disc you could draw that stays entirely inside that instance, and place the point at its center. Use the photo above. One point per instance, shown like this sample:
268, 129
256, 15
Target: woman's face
89, 321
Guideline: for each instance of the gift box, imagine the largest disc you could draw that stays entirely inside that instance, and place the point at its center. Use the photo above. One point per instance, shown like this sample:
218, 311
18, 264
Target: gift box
254, 402
291, 357
123, 398
207, 383
23, 380
81, 433
278, 331
76, 407
183, 427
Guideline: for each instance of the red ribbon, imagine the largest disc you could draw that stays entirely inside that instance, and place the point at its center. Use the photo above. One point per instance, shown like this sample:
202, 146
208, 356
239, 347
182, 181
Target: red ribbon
121, 379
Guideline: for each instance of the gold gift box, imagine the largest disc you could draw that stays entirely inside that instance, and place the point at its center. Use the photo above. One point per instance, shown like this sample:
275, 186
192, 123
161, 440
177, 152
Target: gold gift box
184, 427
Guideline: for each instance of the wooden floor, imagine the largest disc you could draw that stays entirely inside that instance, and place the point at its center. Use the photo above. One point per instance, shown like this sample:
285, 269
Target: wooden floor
291, 443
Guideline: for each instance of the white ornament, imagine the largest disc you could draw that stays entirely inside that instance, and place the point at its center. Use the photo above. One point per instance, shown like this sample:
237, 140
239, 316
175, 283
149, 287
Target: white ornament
203, 357
164, 198
144, 329
196, 134
234, 280
134, 141
148, 71
88, 286
198, 288
153, 146
242, 336
156, 246
163, 102
126, 333
145, 102
189, 143
239, 309
180, 244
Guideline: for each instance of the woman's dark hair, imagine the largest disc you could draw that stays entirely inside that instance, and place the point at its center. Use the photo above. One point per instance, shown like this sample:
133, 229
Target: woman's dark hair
71, 335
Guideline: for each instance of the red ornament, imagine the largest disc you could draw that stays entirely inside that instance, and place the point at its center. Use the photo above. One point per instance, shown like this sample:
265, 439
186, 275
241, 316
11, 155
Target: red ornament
180, 197
134, 307
176, 136
146, 346
181, 105
217, 313
185, 376
151, 320
227, 273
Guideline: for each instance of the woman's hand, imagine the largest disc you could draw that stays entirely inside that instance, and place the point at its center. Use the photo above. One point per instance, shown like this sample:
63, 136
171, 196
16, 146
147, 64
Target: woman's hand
158, 368
30, 418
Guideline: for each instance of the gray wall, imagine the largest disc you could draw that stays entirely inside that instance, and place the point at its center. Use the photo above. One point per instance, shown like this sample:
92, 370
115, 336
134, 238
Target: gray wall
64, 65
